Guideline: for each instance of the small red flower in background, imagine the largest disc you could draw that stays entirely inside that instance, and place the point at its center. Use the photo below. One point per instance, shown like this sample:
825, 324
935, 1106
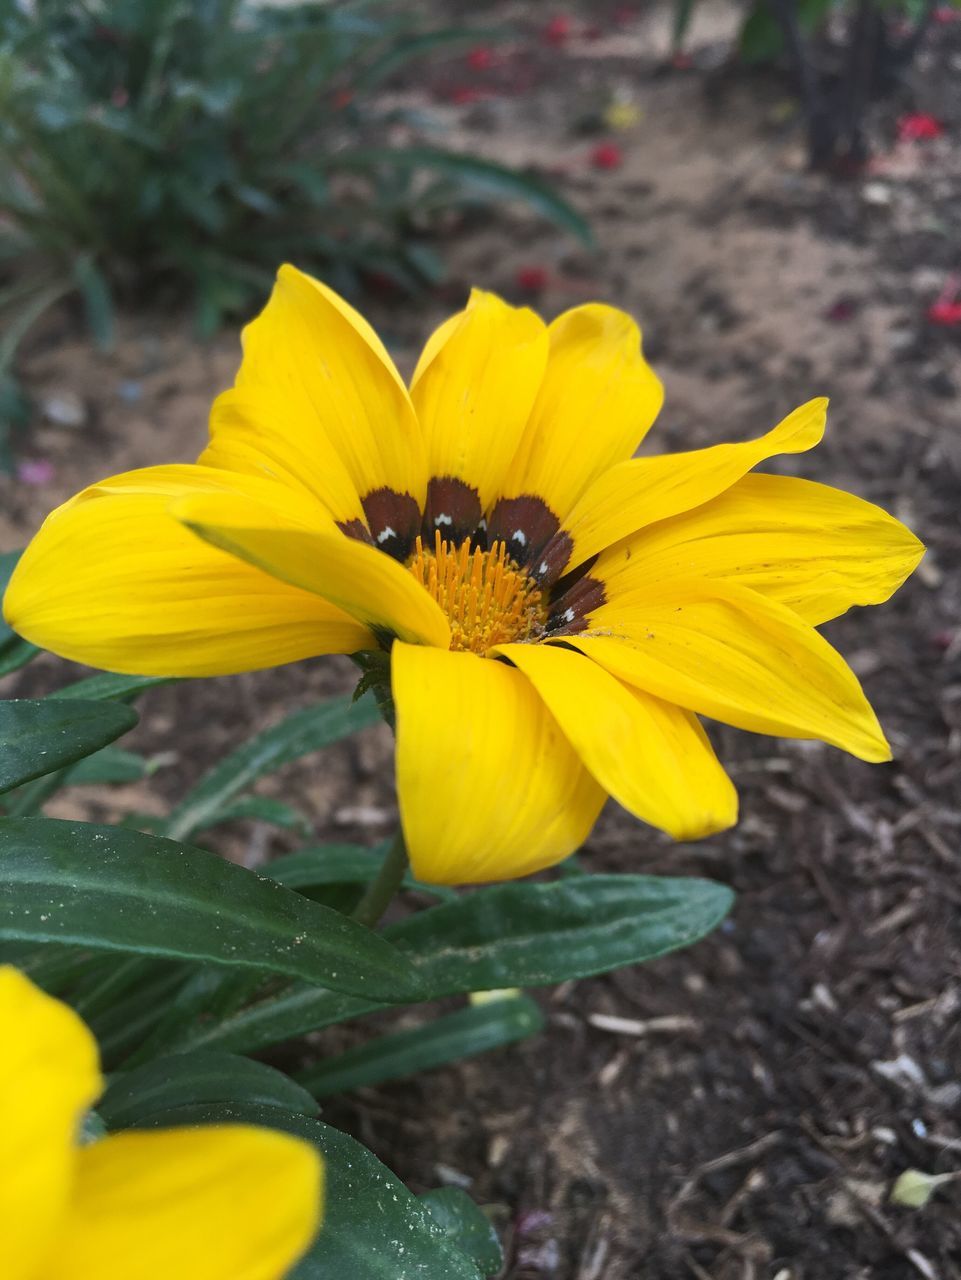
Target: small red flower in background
945, 13
682, 61
607, 155
532, 279
558, 30
919, 127
119, 97
481, 58
946, 309
343, 98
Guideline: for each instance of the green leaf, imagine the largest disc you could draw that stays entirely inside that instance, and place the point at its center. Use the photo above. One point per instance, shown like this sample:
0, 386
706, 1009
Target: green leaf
96, 300
683, 12
190, 1078
14, 651
265, 809
111, 765
39, 736
514, 935
466, 1226
463, 1034
108, 687
483, 175
120, 890
298, 735
529, 935
329, 864
374, 1229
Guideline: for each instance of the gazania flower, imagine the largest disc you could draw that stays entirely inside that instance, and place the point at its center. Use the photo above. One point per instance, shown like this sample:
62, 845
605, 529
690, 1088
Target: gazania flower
557, 612
212, 1203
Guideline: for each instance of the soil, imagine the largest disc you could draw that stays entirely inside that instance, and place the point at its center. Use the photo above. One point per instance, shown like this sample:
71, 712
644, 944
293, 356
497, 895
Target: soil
780, 1075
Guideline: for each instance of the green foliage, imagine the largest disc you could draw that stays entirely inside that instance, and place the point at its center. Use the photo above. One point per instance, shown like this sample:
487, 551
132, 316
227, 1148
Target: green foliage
14, 652
111, 889
39, 736
467, 1227
463, 1034
514, 935
165, 149
189, 1079
180, 961
298, 735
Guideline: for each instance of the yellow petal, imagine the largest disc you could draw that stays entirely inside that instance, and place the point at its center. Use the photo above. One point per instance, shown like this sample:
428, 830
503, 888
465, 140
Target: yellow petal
636, 493
596, 403
49, 1076
319, 402
473, 390
113, 580
816, 549
367, 583
725, 651
221, 1203
489, 787
652, 757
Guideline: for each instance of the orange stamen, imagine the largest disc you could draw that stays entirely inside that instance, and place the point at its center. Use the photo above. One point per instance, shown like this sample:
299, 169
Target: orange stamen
487, 598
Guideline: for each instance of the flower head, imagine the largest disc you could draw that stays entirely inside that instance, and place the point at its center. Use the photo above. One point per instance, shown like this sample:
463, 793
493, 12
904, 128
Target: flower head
607, 155
212, 1203
919, 127
558, 612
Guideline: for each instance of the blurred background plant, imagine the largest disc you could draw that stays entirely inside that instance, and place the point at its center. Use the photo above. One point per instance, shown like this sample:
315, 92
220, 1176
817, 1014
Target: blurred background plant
161, 150
842, 54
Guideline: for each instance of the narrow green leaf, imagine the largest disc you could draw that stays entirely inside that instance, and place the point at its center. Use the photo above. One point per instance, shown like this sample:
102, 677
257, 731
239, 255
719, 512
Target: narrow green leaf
109, 765
120, 890
463, 1034
467, 1227
485, 176
108, 687
14, 651
374, 1229
187, 1079
298, 735
329, 864
39, 736
96, 300
264, 809
528, 935
514, 935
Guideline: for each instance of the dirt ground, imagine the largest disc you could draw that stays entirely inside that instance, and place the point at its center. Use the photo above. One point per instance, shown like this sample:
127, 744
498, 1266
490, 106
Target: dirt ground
782, 1073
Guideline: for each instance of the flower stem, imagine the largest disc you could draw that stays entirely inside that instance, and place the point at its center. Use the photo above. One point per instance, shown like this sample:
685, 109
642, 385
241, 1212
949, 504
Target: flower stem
382, 888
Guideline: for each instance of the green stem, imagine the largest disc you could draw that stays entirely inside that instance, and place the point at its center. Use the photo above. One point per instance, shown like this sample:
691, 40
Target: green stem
382, 888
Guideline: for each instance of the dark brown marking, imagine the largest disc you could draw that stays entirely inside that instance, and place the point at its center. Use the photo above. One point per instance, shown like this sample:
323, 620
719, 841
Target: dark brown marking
355, 529
452, 509
553, 559
569, 613
394, 521
526, 525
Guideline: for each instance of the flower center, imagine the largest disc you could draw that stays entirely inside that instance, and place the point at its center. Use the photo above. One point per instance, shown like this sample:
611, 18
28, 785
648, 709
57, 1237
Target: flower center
487, 599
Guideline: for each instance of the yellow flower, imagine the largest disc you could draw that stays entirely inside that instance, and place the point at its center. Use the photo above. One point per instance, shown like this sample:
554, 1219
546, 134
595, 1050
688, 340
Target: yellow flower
221, 1203
558, 612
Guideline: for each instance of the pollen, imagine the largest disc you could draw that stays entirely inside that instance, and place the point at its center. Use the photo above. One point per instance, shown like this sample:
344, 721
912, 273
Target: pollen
487, 598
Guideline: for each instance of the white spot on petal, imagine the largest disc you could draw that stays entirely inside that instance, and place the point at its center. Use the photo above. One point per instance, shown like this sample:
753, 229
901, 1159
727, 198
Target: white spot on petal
568, 615
385, 533
519, 536
543, 568
443, 518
